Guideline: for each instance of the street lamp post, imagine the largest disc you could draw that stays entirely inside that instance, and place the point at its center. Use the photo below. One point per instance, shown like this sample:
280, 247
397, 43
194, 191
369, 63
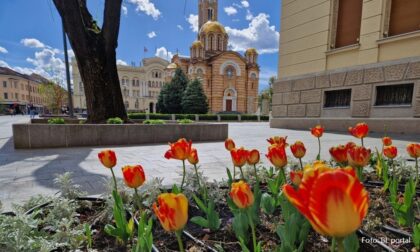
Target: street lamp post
66, 59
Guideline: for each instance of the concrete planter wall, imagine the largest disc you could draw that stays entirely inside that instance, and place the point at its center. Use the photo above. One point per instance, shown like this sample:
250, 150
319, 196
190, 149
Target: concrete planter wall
28, 136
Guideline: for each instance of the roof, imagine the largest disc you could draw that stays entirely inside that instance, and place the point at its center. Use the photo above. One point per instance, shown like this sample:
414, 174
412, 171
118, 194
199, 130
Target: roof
197, 43
251, 51
33, 77
213, 26
172, 66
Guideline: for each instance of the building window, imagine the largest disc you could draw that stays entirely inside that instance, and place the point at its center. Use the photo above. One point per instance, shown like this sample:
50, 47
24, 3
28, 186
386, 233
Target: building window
6, 96
210, 14
5, 84
229, 72
394, 95
337, 98
404, 16
253, 76
348, 18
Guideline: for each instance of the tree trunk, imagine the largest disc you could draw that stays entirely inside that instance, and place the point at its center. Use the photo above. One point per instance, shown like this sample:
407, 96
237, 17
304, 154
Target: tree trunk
95, 51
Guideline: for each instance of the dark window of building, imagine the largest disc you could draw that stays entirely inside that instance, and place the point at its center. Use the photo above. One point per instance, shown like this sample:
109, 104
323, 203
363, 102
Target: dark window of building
349, 18
5, 84
394, 95
337, 98
6, 96
405, 16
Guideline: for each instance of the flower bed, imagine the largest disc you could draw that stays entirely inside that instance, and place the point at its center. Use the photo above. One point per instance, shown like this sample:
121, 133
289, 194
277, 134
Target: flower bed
357, 200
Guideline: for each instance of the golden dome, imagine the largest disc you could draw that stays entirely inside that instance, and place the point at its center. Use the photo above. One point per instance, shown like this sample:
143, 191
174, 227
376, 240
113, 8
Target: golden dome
172, 66
197, 44
251, 51
213, 26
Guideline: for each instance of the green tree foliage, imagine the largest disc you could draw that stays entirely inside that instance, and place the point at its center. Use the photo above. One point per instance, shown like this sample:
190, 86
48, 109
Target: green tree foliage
194, 100
54, 95
171, 95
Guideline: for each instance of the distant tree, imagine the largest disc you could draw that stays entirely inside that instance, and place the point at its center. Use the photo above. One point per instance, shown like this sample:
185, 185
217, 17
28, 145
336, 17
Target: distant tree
160, 105
194, 100
54, 95
173, 98
95, 49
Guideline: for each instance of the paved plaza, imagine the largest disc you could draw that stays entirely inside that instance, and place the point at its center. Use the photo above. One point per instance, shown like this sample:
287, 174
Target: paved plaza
25, 173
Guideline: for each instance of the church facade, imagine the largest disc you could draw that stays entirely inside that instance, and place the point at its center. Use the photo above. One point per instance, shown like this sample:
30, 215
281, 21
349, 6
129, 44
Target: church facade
230, 80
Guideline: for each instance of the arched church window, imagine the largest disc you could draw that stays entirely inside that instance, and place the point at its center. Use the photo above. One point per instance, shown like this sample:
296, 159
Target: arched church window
253, 76
230, 72
200, 72
220, 43
210, 14
211, 42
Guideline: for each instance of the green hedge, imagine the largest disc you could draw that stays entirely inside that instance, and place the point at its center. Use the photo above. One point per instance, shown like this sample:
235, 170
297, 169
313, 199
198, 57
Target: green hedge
265, 118
160, 117
208, 117
249, 118
185, 116
228, 117
137, 116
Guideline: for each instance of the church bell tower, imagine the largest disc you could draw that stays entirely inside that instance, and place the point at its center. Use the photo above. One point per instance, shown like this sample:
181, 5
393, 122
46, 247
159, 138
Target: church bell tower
207, 11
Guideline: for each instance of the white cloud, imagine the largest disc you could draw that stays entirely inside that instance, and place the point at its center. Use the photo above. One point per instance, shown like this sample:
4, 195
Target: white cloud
146, 7
151, 34
124, 10
180, 27
163, 53
230, 10
258, 34
4, 64
249, 15
3, 50
121, 62
47, 63
32, 42
245, 4
193, 21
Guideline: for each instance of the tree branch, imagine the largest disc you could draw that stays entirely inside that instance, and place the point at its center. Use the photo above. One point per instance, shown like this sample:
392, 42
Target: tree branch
111, 25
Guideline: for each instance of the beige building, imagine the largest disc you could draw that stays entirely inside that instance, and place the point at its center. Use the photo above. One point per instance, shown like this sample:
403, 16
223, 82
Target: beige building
230, 80
140, 86
18, 91
349, 60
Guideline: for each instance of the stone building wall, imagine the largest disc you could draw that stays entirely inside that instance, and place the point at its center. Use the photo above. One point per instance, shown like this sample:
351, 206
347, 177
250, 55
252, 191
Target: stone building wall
304, 96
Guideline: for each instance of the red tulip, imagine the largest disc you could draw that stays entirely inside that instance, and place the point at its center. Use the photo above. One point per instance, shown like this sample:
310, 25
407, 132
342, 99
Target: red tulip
298, 149
360, 130
278, 140
133, 176
179, 150
193, 156
358, 156
229, 144
296, 177
339, 153
390, 151
317, 131
241, 194
253, 157
277, 155
239, 156
108, 158
387, 141
413, 150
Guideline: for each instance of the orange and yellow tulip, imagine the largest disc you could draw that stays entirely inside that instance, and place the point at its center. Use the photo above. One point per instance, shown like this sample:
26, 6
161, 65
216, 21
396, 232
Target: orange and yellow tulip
317, 131
172, 211
333, 201
298, 149
193, 156
413, 150
390, 151
133, 175
350, 145
278, 140
229, 144
358, 156
241, 194
253, 157
179, 150
386, 141
339, 153
108, 158
277, 155
239, 156
296, 177
361, 130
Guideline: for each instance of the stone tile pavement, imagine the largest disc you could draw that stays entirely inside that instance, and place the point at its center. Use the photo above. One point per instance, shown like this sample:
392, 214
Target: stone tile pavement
25, 173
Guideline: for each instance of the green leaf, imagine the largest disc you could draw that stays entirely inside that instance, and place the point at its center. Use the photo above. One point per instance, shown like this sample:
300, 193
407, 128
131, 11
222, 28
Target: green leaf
416, 236
241, 225
200, 204
213, 216
351, 242
202, 222
243, 246
175, 189
268, 203
230, 178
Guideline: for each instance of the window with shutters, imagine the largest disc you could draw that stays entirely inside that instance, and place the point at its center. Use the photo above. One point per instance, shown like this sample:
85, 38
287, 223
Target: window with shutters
404, 16
401, 94
347, 18
337, 98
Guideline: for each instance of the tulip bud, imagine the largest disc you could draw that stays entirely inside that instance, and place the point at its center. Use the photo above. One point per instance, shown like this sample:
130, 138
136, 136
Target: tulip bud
387, 141
241, 194
193, 156
229, 144
172, 211
239, 156
133, 176
413, 150
317, 131
108, 158
298, 149
253, 157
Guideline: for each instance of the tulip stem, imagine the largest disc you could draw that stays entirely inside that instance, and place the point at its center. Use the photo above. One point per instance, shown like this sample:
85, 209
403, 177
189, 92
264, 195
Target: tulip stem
362, 142
251, 223
183, 174
234, 173
319, 149
340, 245
256, 174
301, 164
115, 180
333, 245
417, 171
137, 198
180, 244
242, 173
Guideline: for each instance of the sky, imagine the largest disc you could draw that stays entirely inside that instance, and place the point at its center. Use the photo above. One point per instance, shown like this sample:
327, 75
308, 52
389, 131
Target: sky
31, 37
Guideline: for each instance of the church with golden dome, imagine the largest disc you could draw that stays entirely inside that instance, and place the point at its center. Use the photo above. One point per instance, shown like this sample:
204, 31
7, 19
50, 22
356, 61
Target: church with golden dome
230, 79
